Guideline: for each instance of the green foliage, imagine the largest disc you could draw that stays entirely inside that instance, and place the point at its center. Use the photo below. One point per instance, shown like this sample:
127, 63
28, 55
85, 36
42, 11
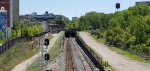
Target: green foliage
116, 36
25, 28
60, 20
128, 29
1, 36
73, 25
93, 20
128, 54
51, 21
141, 10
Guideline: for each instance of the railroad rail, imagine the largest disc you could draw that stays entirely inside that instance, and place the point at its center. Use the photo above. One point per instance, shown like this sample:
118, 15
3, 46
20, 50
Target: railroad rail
87, 63
69, 59
76, 58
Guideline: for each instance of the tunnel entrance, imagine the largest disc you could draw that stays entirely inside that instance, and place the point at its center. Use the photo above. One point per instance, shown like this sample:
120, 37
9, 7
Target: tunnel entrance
70, 33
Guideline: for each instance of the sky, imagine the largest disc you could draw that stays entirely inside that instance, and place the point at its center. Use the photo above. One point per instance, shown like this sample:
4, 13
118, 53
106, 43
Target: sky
71, 8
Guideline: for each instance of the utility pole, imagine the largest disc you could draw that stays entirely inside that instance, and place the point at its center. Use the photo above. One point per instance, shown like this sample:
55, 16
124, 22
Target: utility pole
44, 55
39, 48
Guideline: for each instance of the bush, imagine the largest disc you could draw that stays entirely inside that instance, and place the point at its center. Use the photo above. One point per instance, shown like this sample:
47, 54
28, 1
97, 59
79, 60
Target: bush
148, 42
128, 29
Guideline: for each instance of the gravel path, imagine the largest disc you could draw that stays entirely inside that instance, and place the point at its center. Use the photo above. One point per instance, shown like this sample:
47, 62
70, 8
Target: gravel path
58, 64
119, 62
79, 61
22, 66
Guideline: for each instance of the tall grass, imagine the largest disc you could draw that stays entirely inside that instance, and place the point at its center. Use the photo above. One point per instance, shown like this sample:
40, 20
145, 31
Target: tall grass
54, 52
122, 52
13, 56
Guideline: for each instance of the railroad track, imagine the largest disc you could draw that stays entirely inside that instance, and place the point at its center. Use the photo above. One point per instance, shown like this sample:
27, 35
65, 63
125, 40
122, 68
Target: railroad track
69, 59
78, 60
87, 63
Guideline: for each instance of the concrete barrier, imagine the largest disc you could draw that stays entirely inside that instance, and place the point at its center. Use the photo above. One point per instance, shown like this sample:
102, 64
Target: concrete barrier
100, 61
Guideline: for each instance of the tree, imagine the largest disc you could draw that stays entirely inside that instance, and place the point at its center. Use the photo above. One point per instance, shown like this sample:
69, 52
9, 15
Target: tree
26, 28
128, 29
73, 25
141, 9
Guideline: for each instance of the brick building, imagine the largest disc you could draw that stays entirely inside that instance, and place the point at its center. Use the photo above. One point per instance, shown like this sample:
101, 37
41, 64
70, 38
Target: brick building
12, 7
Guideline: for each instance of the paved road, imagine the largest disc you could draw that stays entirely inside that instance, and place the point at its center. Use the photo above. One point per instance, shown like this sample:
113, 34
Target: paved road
119, 62
22, 66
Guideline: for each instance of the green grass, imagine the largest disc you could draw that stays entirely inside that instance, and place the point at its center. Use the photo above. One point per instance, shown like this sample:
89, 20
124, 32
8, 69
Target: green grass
122, 52
18, 53
86, 30
101, 40
49, 36
54, 52
129, 55
15, 55
34, 66
1, 41
111, 68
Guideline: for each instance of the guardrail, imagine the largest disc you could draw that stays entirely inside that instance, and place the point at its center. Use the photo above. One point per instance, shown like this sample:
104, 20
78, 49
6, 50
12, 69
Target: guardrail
100, 61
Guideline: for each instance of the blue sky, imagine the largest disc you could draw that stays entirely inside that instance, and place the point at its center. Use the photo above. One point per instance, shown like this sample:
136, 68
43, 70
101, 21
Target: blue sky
71, 8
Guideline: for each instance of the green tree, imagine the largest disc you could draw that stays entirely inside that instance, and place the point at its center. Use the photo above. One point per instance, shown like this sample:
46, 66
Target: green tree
141, 9
25, 28
128, 29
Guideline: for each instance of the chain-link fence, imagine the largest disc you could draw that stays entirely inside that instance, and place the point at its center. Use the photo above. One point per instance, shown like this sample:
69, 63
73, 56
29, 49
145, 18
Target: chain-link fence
8, 44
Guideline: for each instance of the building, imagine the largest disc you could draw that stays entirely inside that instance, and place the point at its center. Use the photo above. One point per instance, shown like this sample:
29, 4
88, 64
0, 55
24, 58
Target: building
12, 8
15, 9
145, 2
6, 4
33, 17
74, 18
46, 13
54, 28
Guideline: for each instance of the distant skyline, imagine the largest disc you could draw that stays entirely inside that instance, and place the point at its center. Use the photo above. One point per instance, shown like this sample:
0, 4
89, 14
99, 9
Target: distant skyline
71, 8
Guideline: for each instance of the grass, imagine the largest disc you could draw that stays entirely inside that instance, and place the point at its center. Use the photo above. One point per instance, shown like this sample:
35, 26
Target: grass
18, 53
1, 41
102, 40
103, 61
49, 36
34, 66
54, 52
111, 68
129, 55
122, 52
86, 30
